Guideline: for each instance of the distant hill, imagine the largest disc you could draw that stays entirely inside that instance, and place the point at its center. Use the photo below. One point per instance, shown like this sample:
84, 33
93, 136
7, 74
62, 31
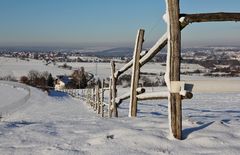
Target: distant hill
114, 52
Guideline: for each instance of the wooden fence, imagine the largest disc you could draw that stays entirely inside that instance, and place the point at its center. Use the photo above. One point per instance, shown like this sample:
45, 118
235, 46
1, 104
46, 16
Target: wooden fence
94, 97
177, 89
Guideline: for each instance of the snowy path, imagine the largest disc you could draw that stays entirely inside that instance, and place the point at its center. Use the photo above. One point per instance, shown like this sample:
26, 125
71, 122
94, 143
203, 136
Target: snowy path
13, 97
63, 125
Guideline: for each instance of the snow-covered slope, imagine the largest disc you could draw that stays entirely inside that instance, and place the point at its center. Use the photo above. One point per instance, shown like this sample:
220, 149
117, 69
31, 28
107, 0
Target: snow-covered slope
63, 125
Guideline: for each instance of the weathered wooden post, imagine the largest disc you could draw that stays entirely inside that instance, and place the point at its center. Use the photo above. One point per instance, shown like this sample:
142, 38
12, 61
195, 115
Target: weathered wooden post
135, 73
93, 98
114, 91
110, 99
99, 101
86, 95
97, 106
82, 94
96, 99
173, 66
89, 95
102, 98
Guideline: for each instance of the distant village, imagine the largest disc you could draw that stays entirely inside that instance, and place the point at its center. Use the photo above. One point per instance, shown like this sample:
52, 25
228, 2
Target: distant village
61, 55
208, 57
216, 61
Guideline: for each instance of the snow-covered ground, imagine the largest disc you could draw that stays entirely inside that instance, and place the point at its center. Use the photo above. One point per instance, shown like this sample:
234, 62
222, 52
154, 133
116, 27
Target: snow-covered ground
59, 124
18, 68
63, 125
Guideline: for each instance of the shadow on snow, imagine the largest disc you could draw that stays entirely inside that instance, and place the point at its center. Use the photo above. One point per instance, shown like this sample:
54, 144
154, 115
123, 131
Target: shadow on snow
54, 93
188, 131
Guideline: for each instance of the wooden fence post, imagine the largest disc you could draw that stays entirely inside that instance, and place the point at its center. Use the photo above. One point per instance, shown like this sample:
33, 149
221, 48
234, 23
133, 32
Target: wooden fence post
89, 95
102, 98
110, 99
93, 98
135, 73
114, 91
174, 47
98, 99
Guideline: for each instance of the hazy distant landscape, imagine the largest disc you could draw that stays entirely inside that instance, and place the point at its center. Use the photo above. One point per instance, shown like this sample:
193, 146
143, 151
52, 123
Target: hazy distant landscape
214, 61
119, 77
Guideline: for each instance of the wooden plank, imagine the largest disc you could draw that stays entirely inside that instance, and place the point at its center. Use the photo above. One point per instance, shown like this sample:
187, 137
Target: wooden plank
213, 86
107, 88
128, 65
211, 17
153, 96
127, 95
174, 47
135, 73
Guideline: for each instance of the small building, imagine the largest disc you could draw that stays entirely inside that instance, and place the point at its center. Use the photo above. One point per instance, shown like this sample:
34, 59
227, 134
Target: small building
61, 82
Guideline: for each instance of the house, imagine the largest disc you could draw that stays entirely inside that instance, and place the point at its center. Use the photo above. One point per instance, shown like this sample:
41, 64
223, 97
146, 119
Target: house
61, 82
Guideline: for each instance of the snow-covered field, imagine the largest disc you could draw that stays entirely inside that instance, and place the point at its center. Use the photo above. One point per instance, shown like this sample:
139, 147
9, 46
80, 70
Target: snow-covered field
18, 68
60, 124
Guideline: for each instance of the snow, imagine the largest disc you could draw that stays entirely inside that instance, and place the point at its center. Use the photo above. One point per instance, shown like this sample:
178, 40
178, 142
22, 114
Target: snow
4, 92
14, 95
18, 68
60, 124
167, 72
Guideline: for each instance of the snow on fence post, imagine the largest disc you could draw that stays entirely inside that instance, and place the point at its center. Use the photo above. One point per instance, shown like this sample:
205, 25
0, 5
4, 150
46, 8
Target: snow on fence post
135, 73
173, 66
102, 98
113, 107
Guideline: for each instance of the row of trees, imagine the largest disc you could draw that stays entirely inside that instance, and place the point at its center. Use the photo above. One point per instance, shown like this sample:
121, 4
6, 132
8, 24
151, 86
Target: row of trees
42, 80
9, 78
79, 78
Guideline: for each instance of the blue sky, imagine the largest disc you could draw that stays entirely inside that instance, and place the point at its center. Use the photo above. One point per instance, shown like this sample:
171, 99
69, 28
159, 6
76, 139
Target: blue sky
76, 23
